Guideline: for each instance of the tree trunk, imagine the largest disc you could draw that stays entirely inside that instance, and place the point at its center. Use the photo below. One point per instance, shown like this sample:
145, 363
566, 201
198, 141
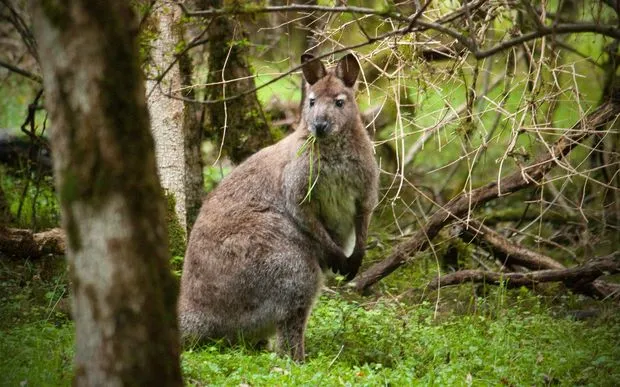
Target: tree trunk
238, 125
112, 205
174, 124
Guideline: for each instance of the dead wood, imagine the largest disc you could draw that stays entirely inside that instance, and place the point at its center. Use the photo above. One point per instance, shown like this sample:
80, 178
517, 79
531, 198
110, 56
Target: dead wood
579, 278
21, 243
508, 252
460, 205
608, 289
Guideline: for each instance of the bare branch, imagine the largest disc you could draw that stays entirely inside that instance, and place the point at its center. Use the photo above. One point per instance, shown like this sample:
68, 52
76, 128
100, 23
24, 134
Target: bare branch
602, 29
509, 252
578, 278
294, 8
22, 72
460, 205
414, 25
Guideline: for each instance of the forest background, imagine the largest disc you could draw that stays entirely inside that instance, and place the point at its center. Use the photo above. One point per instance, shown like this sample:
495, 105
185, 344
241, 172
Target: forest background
494, 252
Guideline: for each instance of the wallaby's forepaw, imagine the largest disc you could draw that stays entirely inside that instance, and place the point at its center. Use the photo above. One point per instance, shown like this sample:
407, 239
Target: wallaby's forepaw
353, 264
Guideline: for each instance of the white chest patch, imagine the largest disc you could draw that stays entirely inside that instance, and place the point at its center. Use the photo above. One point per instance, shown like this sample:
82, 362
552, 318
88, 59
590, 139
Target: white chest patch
350, 243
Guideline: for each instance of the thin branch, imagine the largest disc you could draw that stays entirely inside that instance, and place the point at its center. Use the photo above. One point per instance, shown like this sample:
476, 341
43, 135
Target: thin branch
460, 205
196, 41
452, 115
578, 278
293, 8
509, 253
472, 6
20, 25
602, 29
414, 25
22, 72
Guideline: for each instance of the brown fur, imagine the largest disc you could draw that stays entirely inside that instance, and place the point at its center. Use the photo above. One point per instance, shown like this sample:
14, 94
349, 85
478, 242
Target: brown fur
257, 251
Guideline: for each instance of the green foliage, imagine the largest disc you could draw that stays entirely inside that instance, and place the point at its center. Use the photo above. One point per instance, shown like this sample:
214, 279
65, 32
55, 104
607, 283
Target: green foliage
349, 343
33, 292
37, 354
512, 337
213, 175
176, 263
32, 201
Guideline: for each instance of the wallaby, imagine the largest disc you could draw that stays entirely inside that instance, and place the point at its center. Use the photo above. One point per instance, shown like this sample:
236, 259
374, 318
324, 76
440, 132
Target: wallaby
256, 254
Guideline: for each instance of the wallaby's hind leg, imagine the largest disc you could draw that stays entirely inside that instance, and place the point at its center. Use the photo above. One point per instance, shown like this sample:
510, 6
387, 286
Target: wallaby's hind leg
290, 335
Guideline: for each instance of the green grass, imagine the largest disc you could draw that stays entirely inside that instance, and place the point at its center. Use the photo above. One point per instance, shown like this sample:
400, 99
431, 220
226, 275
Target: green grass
37, 354
509, 337
32, 201
16, 93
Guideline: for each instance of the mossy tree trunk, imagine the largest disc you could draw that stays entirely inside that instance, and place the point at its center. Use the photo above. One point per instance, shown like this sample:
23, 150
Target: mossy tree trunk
112, 204
239, 125
174, 123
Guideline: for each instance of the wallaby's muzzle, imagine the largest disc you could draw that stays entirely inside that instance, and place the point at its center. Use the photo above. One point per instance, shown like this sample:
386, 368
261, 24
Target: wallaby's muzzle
320, 128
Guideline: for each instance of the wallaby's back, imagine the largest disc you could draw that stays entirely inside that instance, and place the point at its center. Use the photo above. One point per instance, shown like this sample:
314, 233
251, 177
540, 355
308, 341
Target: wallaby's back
256, 253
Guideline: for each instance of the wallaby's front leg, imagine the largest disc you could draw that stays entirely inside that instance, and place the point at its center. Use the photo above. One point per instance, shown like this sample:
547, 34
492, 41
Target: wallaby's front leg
361, 233
334, 256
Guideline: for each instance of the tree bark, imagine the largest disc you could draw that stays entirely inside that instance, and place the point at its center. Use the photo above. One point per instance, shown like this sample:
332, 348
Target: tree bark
239, 126
468, 201
175, 128
111, 201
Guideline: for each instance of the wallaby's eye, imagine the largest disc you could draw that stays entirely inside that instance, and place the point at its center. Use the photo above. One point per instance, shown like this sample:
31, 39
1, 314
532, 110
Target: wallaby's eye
340, 103
311, 101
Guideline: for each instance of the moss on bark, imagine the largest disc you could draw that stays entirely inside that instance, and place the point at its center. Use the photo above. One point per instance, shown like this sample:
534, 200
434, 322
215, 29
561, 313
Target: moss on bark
246, 126
177, 238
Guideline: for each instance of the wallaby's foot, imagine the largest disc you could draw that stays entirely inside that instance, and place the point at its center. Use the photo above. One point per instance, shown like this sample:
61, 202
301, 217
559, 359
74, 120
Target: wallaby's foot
290, 337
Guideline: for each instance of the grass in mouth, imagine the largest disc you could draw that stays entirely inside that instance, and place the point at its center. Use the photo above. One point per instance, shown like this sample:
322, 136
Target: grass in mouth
315, 154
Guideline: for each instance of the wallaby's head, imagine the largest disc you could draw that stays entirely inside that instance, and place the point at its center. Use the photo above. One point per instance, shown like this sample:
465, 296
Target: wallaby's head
330, 105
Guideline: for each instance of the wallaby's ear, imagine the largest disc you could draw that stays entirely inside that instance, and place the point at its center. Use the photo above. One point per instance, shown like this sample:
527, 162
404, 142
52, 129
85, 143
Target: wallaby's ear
347, 69
312, 68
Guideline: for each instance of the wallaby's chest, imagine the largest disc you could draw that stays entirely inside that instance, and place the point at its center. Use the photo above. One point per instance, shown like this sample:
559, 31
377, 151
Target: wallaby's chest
335, 195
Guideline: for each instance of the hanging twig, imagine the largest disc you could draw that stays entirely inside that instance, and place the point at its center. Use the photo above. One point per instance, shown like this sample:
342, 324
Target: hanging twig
460, 205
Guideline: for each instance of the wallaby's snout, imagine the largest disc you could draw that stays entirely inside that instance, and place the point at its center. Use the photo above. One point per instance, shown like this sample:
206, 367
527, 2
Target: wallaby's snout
320, 127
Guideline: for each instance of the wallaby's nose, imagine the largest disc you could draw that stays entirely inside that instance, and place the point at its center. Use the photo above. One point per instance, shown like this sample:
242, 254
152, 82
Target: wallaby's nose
320, 128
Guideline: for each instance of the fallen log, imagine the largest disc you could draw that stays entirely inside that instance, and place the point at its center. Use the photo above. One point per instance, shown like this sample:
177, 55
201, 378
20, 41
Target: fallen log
508, 252
467, 201
27, 244
580, 278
